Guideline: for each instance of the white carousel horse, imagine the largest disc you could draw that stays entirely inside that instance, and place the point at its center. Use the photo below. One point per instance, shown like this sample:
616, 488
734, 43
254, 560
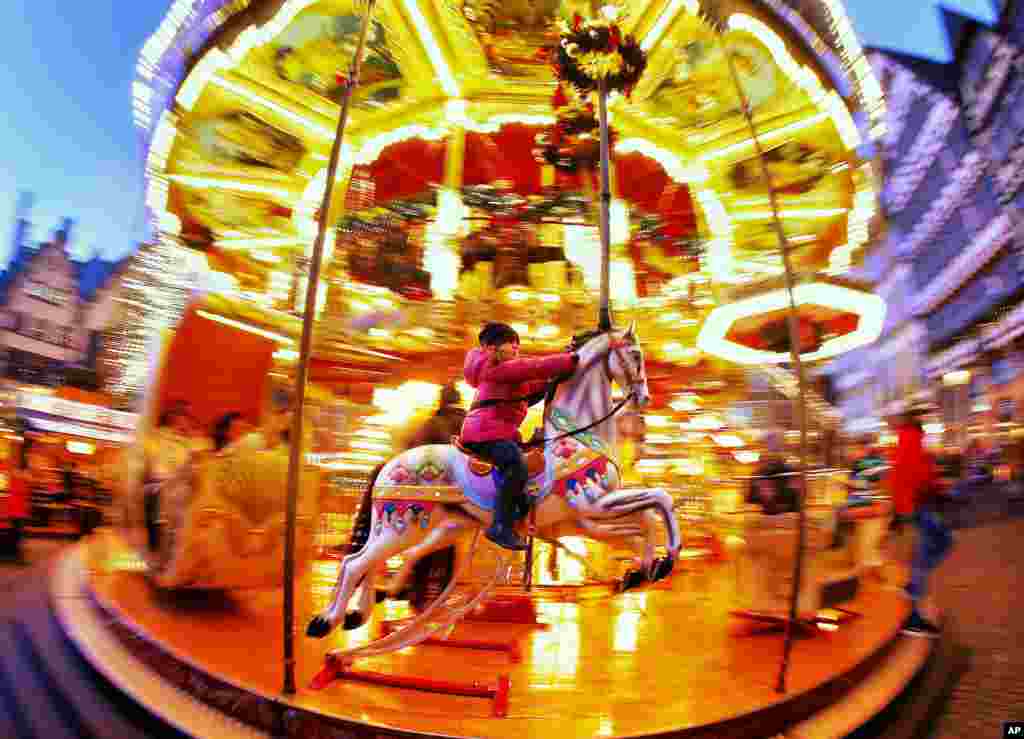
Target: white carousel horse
429, 497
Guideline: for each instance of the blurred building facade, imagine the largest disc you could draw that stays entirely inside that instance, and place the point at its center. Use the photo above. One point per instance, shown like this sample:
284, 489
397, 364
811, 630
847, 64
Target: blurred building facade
950, 264
52, 308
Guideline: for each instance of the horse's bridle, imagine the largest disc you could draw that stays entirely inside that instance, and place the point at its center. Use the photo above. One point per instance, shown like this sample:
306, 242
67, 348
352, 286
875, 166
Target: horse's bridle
615, 347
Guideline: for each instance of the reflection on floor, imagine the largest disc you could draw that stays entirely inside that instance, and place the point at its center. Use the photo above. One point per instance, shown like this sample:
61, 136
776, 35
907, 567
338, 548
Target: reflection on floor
633, 663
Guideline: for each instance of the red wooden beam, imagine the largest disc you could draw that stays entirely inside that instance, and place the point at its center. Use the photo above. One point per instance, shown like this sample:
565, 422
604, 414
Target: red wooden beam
498, 693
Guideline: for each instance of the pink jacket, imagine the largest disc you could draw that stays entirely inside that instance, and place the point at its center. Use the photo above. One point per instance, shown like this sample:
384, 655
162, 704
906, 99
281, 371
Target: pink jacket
512, 379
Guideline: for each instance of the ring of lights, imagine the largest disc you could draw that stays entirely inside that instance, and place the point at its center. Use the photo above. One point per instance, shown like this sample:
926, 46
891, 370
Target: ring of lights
867, 307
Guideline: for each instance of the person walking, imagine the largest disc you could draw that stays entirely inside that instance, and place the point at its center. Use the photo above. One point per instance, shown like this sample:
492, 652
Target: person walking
916, 493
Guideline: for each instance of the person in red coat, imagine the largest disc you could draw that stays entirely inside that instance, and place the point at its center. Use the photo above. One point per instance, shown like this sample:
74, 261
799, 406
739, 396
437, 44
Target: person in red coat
911, 469
18, 494
504, 383
916, 494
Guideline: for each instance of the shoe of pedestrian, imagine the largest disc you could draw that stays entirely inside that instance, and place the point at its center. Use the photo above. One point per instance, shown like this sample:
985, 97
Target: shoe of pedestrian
917, 626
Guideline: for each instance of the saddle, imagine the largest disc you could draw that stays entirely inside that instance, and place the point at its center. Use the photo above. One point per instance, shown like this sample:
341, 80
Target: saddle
534, 457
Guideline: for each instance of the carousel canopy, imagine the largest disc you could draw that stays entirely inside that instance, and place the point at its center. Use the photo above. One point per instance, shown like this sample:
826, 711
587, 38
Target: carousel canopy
467, 186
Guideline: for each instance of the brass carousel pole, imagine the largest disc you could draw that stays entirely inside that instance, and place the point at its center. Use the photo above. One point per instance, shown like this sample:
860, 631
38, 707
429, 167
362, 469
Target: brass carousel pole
309, 312
604, 317
794, 350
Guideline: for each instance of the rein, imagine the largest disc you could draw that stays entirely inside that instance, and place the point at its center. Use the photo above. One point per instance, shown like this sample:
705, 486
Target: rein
544, 441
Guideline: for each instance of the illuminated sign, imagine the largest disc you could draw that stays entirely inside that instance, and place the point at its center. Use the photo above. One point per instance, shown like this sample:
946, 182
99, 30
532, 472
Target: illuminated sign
75, 411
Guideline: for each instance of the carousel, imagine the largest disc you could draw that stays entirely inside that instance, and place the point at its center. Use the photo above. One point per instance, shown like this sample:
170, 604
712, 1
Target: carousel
344, 192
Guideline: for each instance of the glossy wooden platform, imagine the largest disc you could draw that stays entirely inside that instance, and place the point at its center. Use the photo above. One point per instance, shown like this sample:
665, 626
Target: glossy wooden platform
664, 662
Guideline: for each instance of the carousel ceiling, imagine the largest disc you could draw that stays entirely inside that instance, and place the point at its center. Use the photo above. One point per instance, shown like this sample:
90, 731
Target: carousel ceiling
467, 189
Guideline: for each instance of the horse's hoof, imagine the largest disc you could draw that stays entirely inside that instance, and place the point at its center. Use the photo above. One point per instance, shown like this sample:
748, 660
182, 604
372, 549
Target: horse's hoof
632, 579
353, 620
318, 628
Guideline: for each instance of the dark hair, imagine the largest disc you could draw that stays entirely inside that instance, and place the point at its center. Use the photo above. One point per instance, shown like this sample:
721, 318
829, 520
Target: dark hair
221, 429
495, 333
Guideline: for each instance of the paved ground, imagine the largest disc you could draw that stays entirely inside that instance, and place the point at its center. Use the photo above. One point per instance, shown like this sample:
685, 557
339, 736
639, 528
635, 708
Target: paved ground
980, 587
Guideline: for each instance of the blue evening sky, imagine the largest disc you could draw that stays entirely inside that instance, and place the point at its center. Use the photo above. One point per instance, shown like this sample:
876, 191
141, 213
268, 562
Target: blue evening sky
66, 121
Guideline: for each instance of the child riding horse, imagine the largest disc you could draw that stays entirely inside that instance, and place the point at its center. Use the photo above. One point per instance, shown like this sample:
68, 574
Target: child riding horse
504, 384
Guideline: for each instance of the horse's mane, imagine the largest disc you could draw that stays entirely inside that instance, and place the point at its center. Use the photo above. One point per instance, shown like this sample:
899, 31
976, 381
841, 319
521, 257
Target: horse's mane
580, 340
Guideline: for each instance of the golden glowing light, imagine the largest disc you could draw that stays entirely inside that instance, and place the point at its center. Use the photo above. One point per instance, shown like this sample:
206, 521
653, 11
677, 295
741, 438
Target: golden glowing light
215, 183
245, 327
426, 37
402, 403
802, 76
705, 422
627, 630
555, 651
728, 440
286, 355
766, 137
957, 377
746, 456
255, 243
685, 403
321, 130
795, 213
665, 20
691, 467
233, 76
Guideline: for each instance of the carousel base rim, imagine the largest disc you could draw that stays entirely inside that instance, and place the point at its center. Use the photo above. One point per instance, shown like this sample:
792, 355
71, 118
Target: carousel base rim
196, 700
85, 624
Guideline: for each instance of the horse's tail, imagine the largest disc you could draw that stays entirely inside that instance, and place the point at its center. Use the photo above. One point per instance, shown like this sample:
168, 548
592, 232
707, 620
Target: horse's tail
364, 515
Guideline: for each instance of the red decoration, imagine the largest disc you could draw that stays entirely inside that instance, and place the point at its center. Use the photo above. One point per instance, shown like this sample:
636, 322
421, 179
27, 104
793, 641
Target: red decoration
599, 467
415, 166
407, 168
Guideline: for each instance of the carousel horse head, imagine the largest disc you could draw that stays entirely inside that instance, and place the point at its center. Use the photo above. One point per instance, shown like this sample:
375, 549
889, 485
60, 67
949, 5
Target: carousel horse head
623, 360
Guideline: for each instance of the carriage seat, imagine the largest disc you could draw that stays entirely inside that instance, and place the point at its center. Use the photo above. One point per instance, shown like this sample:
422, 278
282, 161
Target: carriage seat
534, 457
